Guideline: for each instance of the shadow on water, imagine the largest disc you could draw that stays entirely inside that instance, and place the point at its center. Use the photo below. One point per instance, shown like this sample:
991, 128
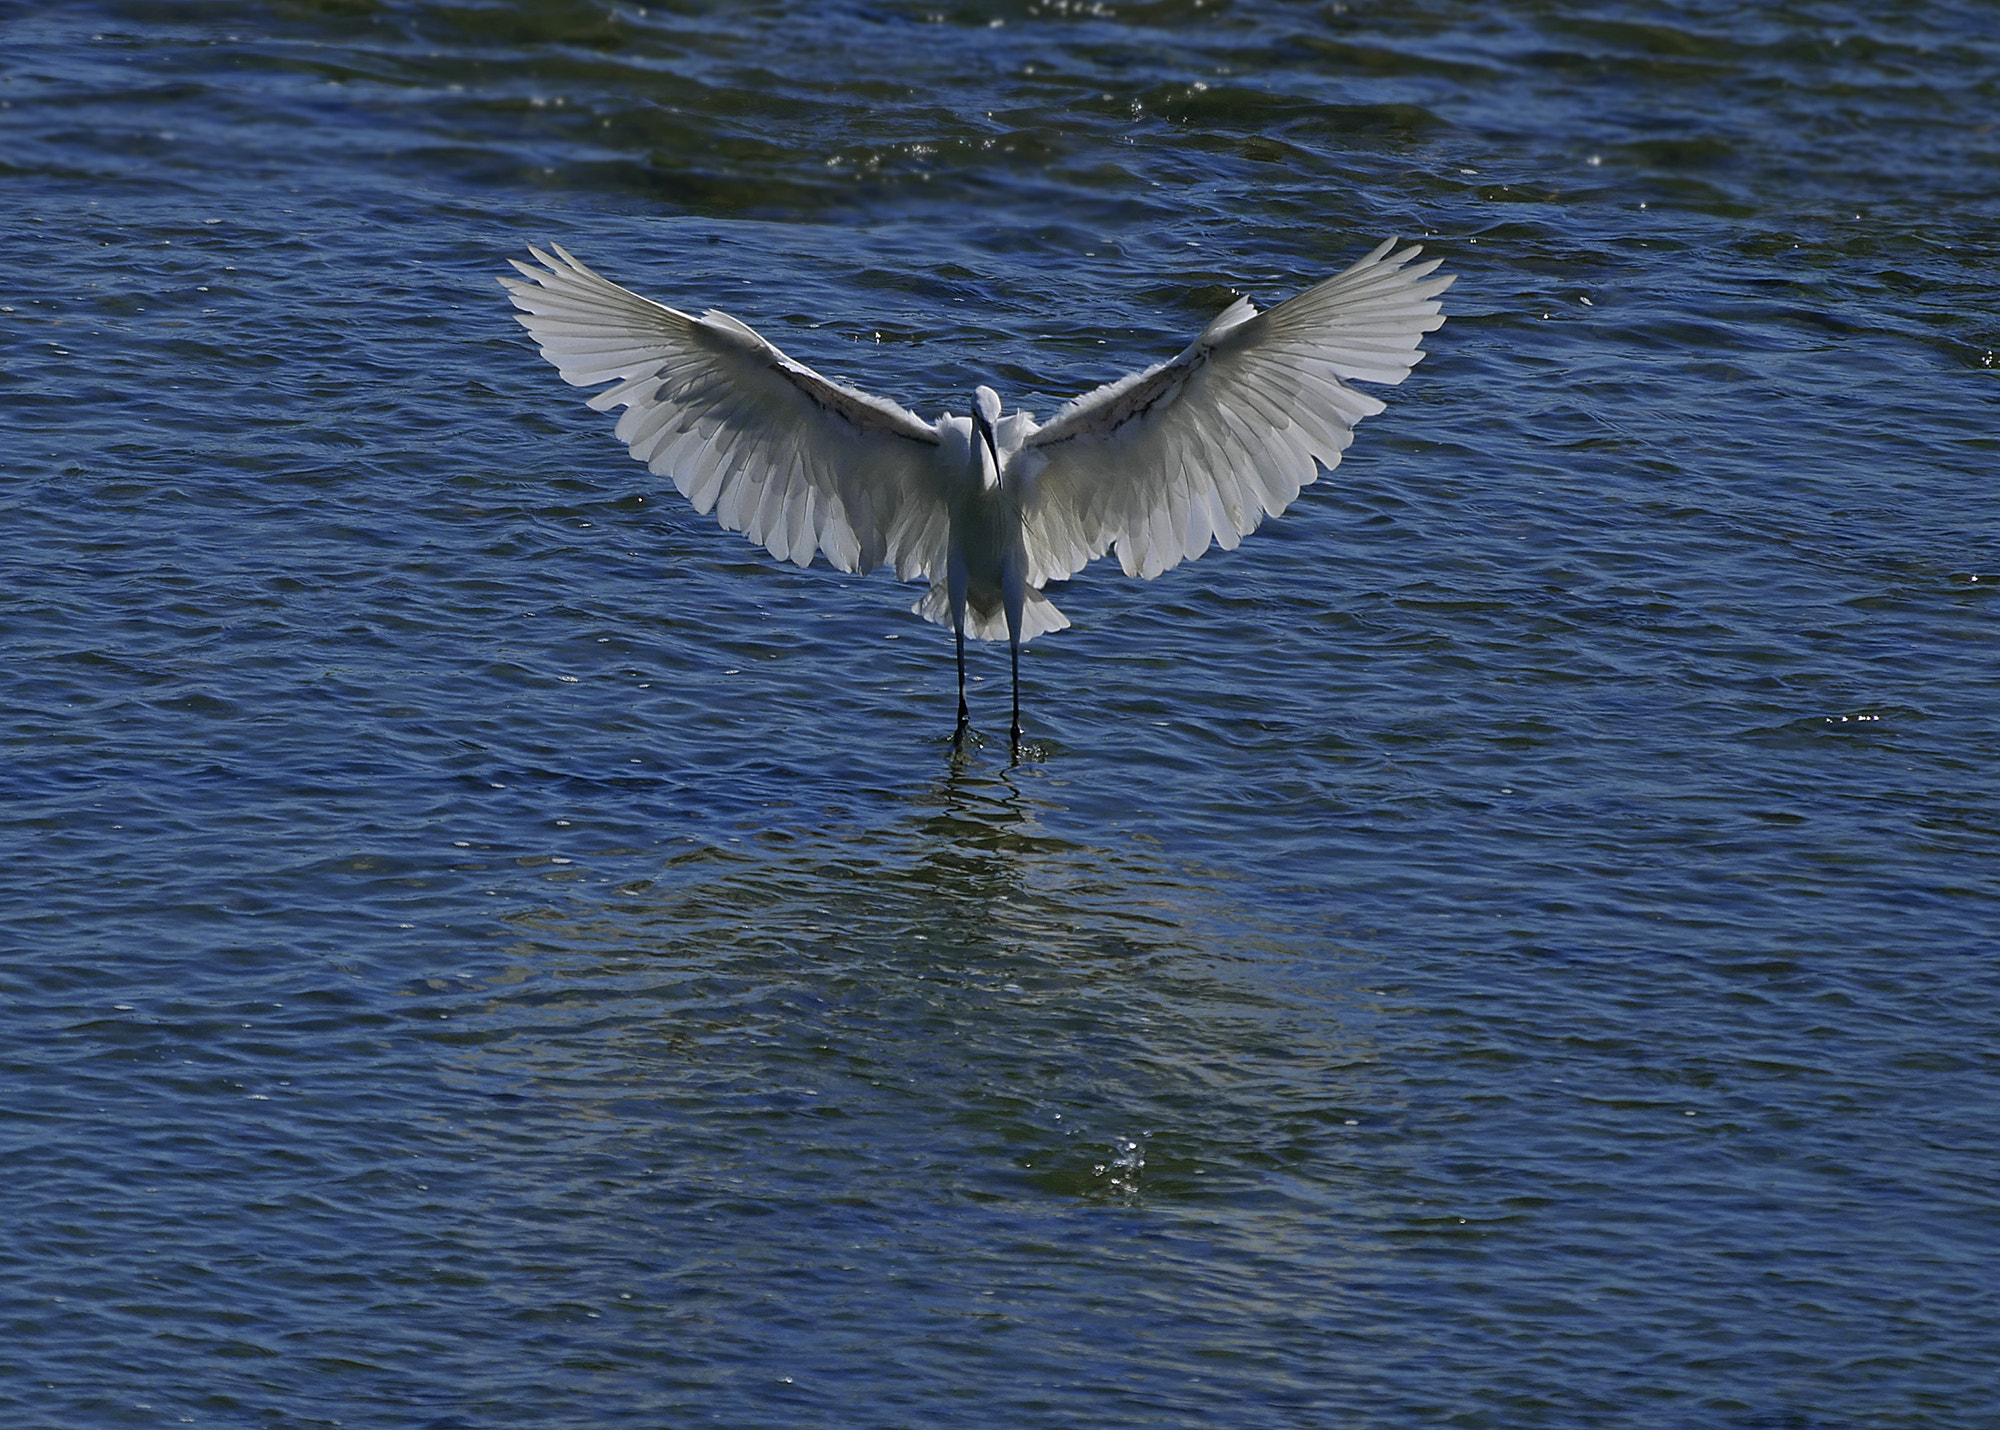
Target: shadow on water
958, 995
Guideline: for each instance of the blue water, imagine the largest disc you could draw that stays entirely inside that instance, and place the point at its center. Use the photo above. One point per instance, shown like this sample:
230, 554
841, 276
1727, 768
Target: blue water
1511, 945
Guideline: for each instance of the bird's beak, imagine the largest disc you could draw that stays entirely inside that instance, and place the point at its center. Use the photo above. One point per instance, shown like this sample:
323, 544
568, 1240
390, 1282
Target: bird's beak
986, 435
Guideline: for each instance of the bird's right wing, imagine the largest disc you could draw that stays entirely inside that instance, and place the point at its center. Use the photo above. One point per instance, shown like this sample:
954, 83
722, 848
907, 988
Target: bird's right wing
792, 460
1201, 449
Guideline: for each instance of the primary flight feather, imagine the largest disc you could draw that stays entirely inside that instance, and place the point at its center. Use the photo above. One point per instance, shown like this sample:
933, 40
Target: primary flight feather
990, 508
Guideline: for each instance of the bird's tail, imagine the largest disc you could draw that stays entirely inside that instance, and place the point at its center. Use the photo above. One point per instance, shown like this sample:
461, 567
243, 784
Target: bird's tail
1037, 617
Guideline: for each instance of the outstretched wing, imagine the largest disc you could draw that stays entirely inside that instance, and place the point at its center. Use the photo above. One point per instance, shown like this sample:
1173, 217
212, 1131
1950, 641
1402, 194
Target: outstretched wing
1202, 448
792, 460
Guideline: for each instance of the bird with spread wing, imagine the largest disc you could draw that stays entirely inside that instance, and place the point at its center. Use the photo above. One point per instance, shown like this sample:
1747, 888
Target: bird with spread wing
991, 507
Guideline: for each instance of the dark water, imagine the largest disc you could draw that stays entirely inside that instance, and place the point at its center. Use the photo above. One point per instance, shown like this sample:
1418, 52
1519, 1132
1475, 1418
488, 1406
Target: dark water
1512, 945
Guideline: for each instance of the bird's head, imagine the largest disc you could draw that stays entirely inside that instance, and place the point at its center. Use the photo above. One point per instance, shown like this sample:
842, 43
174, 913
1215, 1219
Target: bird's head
986, 412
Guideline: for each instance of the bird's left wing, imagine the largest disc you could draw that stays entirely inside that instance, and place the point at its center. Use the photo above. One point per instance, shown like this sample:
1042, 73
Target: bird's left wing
794, 461
1201, 449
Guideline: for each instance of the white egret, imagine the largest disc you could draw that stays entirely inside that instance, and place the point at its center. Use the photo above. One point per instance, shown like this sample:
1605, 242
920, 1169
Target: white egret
989, 508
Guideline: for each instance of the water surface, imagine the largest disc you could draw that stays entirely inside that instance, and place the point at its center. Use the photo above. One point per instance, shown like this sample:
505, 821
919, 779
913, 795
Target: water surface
1510, 945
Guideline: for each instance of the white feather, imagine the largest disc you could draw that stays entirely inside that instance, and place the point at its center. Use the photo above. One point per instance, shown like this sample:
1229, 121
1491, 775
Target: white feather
1156, 466
727, 416
1201, 449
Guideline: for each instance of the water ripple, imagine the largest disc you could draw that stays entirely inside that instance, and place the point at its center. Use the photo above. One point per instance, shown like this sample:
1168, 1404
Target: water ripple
1507, 946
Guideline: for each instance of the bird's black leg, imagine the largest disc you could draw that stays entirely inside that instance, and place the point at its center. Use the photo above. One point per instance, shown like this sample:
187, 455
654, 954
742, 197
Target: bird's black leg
964, 713
1014, 657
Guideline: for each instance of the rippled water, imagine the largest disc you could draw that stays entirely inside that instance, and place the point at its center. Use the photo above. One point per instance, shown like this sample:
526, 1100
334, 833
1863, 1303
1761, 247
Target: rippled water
1513, 944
